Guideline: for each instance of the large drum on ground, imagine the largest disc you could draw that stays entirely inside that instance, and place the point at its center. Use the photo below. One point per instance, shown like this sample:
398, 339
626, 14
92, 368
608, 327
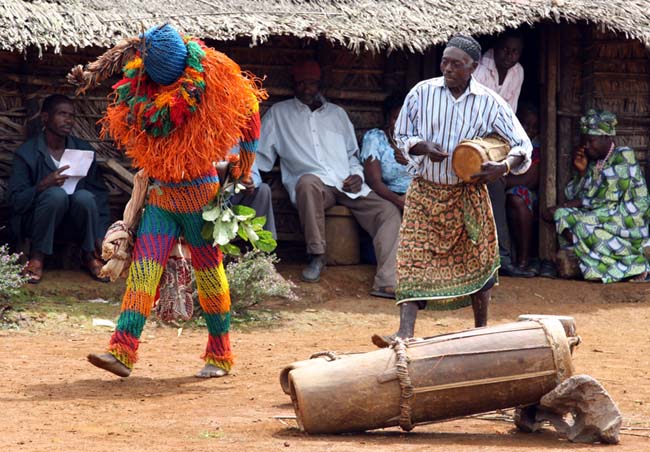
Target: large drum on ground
316, 358
568, 323
469, 155
437, 378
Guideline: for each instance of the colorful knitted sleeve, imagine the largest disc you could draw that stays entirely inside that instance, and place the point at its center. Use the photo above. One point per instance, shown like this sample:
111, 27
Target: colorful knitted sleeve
248, 143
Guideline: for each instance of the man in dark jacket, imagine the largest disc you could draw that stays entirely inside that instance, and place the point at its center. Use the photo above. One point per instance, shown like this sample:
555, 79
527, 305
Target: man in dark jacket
41, 207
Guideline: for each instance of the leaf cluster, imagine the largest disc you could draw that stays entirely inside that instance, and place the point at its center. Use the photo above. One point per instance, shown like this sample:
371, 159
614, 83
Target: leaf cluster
223, 223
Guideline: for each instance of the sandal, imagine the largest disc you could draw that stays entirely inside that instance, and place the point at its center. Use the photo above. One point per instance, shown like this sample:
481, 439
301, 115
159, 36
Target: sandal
548, 270
94, 267
384, 292
33, 271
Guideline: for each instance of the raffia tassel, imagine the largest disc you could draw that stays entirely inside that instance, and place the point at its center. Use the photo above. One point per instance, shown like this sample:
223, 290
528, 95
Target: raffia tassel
110, 62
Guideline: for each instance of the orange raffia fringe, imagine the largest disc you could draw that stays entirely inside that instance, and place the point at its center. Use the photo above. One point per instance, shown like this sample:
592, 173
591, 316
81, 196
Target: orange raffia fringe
189, 151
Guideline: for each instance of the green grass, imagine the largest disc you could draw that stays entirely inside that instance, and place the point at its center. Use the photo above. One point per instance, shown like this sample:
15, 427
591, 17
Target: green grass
63, 299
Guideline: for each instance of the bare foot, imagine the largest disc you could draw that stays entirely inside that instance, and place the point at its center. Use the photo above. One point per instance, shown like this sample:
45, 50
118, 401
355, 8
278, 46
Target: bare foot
110, 363
210, 371
34, 270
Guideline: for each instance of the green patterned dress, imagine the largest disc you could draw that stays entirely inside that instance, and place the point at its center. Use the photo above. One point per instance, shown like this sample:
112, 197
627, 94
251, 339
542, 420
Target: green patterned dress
611, 226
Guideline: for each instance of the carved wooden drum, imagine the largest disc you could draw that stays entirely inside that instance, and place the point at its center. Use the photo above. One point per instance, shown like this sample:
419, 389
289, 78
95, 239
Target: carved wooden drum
432, 379
469, 155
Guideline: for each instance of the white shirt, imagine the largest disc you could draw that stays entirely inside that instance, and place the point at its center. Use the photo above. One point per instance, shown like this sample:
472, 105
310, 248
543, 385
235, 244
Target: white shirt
431, 113
487, 74
319, 142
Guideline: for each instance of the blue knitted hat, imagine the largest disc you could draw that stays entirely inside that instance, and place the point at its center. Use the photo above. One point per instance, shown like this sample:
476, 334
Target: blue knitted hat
165, 54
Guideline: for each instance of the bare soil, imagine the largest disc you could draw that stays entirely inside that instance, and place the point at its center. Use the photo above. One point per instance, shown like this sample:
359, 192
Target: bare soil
51, 399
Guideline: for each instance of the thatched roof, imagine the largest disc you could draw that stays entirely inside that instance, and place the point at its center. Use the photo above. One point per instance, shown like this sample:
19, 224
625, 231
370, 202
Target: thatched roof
358, 24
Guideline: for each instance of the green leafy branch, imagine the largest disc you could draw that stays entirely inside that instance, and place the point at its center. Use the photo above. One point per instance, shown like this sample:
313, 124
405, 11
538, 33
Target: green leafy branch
225, 222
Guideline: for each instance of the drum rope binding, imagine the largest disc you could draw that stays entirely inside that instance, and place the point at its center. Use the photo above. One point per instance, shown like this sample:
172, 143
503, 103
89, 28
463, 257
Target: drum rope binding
406, 388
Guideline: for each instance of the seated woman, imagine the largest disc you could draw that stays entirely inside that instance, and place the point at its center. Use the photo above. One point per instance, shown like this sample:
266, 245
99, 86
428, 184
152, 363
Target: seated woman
383, 174
605, 219
521, 197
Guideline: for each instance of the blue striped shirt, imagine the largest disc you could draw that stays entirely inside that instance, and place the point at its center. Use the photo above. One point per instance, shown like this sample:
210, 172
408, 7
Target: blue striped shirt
431, 113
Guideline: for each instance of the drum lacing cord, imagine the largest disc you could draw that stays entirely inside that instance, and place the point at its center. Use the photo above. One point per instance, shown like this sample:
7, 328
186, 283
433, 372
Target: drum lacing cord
406, 388
331, 355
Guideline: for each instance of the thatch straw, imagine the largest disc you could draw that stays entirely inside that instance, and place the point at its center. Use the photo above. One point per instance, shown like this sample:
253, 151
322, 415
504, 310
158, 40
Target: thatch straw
412, 25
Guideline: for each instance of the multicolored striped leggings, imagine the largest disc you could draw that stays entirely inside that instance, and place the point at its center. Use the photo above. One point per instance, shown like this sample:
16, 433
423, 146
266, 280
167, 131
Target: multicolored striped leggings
174, 209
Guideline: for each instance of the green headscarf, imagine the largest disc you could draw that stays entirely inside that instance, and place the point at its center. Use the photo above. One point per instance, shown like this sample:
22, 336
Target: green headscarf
598, 122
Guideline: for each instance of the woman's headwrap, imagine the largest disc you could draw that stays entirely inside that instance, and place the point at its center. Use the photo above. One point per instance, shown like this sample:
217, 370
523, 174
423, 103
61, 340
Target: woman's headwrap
467, 44
598, 122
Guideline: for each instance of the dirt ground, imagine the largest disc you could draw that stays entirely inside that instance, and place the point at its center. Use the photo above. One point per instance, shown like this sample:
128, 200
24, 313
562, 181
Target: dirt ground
51, 399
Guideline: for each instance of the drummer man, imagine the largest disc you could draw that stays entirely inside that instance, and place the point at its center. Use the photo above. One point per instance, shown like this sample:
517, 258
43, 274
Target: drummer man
448, 251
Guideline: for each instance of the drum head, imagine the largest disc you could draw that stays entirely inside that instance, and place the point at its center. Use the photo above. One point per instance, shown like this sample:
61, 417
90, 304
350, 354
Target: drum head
467, 160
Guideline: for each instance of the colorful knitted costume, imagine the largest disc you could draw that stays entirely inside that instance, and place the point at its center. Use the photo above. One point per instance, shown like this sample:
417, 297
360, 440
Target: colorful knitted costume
175, 132
174, 209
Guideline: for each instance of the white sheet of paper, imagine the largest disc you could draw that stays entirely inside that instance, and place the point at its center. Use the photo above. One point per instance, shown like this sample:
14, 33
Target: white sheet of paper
79, 162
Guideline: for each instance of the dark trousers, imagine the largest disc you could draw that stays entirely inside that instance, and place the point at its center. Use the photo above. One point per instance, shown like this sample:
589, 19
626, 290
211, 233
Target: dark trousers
497, 191
73, 216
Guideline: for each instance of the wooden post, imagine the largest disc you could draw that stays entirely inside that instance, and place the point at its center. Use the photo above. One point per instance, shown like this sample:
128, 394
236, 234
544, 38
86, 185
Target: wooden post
430, 67
567, 108
413, 69
550, 46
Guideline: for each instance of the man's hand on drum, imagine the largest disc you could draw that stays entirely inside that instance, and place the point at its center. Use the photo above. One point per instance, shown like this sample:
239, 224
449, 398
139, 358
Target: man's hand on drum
490, 171
431, 150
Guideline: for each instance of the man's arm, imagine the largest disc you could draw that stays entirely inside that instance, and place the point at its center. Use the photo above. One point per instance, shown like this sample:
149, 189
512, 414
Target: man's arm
407, 133
519, 159
408, 138
354, 181
508, 126
22, 189
248, 144
95, 183
351, 146
518, 75
267, 146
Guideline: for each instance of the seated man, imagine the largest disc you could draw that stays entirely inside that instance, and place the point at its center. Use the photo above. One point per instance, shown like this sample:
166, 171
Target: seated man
521, 197
257, 196
500, 70
605, 219
40, 206
320, 167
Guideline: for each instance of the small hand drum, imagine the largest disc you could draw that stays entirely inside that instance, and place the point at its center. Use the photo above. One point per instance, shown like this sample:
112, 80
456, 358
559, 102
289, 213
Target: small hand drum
469, 155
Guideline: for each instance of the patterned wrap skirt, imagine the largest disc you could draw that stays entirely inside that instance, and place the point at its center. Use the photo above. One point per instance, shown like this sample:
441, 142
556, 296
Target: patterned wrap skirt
448, 245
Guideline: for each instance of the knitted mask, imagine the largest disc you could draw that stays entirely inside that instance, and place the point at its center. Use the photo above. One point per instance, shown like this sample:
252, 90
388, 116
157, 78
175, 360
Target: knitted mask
165, 54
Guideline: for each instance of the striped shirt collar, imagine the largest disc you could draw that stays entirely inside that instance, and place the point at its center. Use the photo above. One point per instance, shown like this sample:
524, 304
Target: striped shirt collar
474, 88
